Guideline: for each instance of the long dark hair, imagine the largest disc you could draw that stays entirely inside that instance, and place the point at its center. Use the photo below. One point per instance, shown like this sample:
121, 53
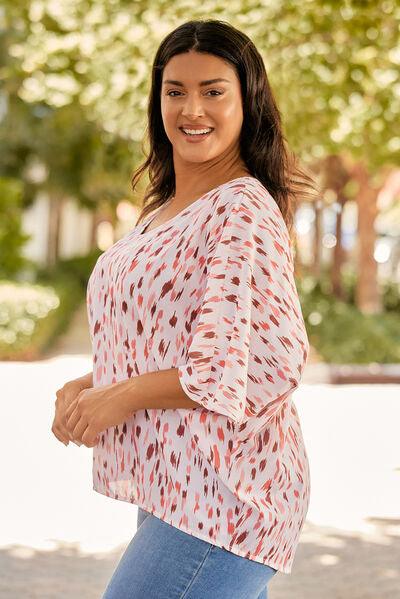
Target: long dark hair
263, 146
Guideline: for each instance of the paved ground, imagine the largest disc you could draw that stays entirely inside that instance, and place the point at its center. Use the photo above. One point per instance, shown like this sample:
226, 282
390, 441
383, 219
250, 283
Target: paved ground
76, 340
60, 540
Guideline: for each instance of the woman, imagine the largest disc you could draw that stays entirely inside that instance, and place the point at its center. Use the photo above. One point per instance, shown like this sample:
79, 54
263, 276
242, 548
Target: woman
198, 337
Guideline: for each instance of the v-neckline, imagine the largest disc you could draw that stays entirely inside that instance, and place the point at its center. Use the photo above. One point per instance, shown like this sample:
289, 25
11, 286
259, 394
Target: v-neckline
142, 229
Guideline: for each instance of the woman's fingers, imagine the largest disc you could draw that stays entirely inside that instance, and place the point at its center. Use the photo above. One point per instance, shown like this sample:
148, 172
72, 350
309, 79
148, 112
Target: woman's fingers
72, 417
70, 425
79, 428
75, 423
59, 434
70, 394
70, 408
65, 405
59, 429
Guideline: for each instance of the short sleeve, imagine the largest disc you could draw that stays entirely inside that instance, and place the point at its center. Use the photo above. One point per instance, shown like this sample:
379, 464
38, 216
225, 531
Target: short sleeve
249, 345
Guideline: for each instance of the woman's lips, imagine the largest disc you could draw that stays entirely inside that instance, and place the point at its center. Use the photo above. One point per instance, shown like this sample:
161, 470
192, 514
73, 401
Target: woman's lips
196, 138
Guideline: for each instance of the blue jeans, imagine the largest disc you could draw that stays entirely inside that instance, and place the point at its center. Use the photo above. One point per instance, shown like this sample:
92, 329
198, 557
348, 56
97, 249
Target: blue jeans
164, 562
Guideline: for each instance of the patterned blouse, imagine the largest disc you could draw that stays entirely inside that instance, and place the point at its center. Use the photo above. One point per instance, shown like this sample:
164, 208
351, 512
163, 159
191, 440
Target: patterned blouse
210, 292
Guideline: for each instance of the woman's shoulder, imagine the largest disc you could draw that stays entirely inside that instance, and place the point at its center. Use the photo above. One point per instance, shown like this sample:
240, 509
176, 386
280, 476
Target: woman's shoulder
247, 213
246, 194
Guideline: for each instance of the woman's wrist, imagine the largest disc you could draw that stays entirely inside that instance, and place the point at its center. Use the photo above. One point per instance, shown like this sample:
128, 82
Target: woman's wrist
87, 379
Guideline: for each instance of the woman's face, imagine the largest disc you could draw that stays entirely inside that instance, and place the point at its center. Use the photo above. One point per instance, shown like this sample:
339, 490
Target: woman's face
190, 100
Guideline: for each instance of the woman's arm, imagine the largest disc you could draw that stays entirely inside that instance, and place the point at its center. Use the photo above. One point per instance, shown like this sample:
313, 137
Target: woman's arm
159, 389
95, 409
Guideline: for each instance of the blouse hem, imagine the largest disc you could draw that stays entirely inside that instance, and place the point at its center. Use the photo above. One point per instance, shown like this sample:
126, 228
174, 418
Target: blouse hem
236, 550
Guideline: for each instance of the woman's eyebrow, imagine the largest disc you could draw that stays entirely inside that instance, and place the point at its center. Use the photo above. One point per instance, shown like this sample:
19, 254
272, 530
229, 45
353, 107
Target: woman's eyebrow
201, 84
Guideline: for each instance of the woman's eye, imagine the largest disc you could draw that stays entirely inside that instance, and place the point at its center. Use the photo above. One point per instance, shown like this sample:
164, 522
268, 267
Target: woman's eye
174, 91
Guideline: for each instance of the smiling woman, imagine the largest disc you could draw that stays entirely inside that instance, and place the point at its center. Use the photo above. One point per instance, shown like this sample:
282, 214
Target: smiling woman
199, 84
198, 336
212, 106
202, 118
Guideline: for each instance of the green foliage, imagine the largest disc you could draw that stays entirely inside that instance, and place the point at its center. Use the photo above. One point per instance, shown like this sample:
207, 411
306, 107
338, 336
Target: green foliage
390, 291
343, 335
12, 239
77, 268
391, 297
33, 316
78, 77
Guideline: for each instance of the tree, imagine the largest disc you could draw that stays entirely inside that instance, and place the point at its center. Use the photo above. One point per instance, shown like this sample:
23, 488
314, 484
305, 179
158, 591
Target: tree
333, 66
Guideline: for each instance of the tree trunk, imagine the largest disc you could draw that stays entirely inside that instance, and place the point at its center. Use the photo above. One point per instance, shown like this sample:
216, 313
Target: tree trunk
367, 296
336, 176
316, 267
93, 234
297, 265
55, 211
338, 255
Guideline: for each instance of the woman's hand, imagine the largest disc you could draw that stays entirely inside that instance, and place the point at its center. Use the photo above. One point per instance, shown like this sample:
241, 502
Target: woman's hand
65, 396
95, 410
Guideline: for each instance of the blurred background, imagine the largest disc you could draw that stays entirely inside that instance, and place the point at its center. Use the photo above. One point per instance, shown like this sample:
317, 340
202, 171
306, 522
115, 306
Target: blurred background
74, 81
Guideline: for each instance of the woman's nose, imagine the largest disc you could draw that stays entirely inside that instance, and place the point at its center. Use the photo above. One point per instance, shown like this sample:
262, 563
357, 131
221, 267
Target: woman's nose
192, 107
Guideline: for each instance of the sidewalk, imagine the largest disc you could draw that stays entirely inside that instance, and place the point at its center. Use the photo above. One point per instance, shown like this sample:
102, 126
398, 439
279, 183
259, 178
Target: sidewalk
76, 340
61, 540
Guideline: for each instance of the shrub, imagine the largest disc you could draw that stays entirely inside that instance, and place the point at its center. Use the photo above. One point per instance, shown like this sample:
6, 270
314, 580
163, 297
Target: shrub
342, 334
12, 239
33, 315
